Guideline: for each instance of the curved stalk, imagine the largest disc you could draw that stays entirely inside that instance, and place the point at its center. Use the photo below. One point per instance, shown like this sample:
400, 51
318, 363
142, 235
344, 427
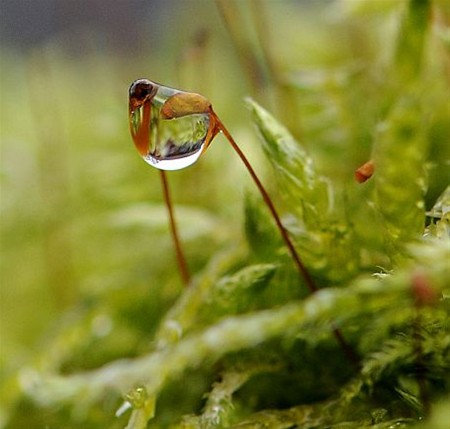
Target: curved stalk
348, 351
269, 203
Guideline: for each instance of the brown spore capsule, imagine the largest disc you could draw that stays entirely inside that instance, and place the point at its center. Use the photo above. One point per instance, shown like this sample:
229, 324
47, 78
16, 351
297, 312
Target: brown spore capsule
183, 104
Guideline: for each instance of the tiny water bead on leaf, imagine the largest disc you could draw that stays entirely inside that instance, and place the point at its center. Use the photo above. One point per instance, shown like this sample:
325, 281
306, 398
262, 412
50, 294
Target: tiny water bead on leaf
170, 128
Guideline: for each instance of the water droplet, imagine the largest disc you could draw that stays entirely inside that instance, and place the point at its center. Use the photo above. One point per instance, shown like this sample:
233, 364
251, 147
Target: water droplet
137, 397
123, 408
170, 128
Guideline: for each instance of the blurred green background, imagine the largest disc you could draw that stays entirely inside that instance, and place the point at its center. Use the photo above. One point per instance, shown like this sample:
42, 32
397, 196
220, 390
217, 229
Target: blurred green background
81, 213
84, 239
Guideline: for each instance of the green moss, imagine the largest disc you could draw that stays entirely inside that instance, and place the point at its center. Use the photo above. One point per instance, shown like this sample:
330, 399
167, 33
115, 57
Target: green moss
94, 317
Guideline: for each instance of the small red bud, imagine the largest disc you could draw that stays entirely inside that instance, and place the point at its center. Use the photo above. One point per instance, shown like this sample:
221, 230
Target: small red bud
423, 292
364, 172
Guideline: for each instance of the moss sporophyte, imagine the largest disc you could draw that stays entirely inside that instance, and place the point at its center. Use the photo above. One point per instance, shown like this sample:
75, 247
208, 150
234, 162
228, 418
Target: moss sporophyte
171, 129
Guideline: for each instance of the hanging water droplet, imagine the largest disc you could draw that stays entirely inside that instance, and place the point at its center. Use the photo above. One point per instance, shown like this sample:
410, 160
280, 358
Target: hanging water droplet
170, 128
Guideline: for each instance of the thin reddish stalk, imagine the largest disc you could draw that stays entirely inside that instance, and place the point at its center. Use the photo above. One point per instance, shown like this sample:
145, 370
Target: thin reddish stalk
348, 351
295, 256
181, 260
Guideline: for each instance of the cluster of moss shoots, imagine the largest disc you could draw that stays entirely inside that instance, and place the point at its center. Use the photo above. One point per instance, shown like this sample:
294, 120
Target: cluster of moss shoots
171, 129
302, 328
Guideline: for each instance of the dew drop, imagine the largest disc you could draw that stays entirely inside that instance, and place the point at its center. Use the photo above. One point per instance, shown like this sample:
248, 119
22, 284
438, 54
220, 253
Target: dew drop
170, 128
123, 408
137, 397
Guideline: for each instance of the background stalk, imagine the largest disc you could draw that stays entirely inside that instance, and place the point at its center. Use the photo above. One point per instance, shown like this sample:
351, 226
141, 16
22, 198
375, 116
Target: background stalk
232, 18
181, 260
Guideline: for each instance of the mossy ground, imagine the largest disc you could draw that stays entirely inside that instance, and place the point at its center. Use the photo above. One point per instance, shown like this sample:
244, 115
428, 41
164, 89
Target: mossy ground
93, 311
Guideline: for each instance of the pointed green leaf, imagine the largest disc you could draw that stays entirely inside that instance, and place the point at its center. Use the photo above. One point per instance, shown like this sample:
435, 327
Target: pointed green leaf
325, 242
234, 294
304, 192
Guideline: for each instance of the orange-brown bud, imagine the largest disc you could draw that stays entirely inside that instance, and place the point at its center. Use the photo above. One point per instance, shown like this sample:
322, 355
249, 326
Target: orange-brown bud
183, 104
364, 172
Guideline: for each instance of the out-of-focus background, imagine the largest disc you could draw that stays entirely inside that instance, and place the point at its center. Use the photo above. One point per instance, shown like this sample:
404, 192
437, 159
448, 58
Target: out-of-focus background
74, 191
83, 228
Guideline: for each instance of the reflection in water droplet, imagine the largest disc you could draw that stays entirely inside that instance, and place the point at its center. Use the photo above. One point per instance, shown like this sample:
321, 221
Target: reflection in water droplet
178, 142
173, 143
